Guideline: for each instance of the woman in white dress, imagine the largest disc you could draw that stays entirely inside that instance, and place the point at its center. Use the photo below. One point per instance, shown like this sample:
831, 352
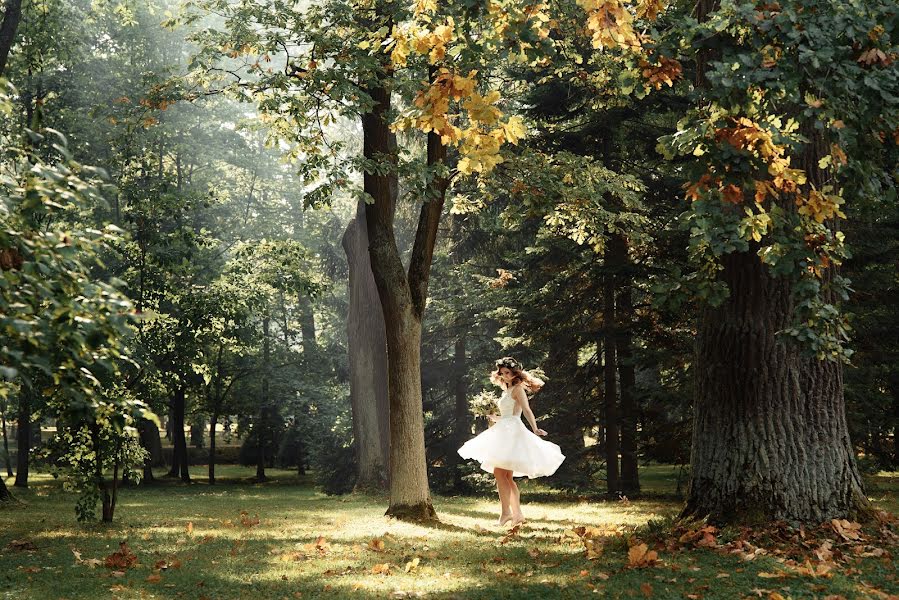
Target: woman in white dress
507, 449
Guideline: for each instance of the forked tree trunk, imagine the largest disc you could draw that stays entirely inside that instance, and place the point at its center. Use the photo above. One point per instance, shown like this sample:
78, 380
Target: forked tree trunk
367, 345
403, 300
770, 438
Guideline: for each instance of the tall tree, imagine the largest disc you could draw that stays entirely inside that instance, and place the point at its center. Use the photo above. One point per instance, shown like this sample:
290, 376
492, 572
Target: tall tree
770, 439
12, 14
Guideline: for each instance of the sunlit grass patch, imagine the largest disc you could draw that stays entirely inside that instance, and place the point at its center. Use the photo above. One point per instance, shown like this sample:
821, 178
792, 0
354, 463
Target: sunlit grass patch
284, 539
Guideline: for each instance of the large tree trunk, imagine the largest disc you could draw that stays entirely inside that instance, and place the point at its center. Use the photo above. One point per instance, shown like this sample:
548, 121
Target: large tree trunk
624, 311
12, 14
403, 300
610, 363
5, 496
307, 326
367, 344
179, 440
770, 438
23, 438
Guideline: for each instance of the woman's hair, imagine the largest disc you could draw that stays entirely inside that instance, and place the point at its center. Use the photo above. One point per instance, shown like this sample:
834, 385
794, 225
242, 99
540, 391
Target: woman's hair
531, 382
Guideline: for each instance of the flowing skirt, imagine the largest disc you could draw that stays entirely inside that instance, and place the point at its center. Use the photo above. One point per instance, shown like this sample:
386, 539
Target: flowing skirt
509, 444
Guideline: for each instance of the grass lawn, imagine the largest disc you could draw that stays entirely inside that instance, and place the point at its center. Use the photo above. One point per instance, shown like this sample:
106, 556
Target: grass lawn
284, 539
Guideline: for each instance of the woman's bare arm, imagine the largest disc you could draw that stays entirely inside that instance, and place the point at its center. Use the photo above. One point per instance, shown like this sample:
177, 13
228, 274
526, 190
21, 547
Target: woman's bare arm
522, 399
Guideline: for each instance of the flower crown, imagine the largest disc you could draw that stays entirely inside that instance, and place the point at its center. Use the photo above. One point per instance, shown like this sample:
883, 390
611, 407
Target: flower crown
508, 362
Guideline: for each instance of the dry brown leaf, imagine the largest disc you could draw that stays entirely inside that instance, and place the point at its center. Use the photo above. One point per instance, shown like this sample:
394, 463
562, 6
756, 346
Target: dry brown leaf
824, 552
154, 578
646, 589
376, 544
190, 528
381, 569
122, 559
847, 530
641, 556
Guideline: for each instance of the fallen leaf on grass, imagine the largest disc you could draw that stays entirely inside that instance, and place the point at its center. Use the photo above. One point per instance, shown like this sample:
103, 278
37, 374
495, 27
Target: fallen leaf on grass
381, 569
376, 544
846, 530
646, 589
824, 552
641, 556
778, 575
248, 521
90, 562
190, 528
154, 578
412, 565
123, 559
510, 536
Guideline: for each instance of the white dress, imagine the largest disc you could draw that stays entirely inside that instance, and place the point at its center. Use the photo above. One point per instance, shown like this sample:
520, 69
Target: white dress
509, 444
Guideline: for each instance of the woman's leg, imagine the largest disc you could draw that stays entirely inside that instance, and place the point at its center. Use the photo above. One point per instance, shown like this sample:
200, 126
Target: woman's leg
515, 501
502, 487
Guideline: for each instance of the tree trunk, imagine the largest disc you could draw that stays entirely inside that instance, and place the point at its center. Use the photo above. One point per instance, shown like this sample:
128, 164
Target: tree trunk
152, 443
5, 496
624, 312
179, 440
12, 15
264, 409
461, 420
402, 300
610, 393
307, 326
367, 344
213, 423
196, 433
770, 438
23, 432
6, 457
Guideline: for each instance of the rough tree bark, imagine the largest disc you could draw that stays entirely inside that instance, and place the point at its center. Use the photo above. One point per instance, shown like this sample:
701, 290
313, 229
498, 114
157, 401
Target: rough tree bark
770, 438
403, 297
12, 15
624, 310
367, 344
